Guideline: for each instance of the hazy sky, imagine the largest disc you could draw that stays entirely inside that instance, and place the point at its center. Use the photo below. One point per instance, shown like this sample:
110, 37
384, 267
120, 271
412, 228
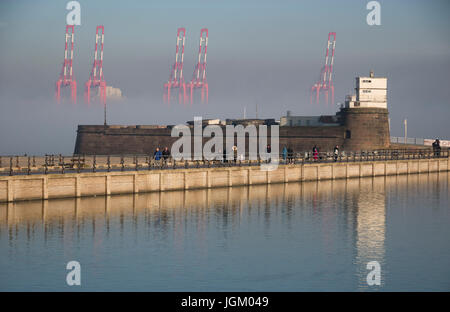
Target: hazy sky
264, 52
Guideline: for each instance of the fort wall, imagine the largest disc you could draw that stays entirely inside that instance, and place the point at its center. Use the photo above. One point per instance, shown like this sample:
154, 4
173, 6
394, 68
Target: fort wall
359, 129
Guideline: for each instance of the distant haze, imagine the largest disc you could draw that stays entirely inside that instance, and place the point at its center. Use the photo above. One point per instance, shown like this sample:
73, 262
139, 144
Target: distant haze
262, 53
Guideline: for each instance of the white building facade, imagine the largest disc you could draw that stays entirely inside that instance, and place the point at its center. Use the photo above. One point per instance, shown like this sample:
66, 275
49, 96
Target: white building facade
370, 92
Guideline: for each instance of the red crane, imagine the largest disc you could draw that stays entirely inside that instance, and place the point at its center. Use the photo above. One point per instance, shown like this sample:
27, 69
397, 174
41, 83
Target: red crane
176, 79
66, 76
199, 76
96, 79
325, 82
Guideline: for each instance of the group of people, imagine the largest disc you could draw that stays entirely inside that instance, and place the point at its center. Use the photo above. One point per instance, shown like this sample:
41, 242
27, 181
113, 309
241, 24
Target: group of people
288, 154
315, 153
158, 155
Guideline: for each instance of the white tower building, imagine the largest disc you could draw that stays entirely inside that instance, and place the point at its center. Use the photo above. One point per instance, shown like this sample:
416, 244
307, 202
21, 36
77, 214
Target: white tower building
370, 92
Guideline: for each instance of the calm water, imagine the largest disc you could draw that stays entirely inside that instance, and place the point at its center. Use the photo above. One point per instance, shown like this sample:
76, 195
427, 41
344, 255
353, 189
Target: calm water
292, 237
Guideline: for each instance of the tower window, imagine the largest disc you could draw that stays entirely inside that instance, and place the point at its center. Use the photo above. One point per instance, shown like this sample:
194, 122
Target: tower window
348, 134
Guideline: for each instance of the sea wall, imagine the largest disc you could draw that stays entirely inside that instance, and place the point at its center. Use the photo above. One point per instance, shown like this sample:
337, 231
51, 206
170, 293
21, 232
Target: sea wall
16, 188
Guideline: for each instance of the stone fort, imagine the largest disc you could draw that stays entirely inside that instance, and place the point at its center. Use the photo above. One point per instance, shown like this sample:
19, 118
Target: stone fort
361, 123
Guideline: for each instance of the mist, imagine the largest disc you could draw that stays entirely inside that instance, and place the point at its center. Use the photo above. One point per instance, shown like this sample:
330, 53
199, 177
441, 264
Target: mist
263, 55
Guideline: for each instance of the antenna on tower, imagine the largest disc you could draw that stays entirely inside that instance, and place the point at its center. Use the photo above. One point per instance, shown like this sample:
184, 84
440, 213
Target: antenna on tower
66, 76
176, 79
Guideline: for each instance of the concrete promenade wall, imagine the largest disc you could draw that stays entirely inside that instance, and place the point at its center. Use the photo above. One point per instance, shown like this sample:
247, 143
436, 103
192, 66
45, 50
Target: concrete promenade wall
16, 188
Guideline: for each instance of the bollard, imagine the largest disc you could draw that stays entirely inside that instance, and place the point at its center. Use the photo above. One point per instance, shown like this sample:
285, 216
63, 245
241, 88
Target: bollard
109, 163
10, 166
29, 166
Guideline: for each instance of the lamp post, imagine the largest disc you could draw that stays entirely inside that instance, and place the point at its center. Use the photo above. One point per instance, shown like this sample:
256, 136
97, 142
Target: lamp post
405, 122
104, 109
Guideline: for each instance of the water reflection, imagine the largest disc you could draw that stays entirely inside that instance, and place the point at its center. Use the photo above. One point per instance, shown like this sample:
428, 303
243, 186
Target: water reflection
325, 219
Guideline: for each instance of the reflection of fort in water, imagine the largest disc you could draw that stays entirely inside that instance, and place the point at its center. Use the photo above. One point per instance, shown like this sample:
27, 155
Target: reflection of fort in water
174, 214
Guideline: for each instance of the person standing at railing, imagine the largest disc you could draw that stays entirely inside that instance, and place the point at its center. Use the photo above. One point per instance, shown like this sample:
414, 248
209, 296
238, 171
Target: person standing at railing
436, 148
290, 153
268, 151
157, 155
166, 154
234, 148
336, 153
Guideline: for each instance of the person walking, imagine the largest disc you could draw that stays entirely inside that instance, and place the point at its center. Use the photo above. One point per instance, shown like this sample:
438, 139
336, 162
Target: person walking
315, 153
285, 153
336, 153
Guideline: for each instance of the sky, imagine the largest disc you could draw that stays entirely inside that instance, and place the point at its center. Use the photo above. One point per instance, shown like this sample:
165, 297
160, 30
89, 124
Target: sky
260, 53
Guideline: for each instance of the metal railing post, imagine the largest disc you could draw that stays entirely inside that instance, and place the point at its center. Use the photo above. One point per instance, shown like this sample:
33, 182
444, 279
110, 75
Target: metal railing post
79, 164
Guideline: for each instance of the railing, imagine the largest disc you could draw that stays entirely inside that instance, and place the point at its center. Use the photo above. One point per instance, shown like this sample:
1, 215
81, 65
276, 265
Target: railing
48, 164
412, 141
419, 141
